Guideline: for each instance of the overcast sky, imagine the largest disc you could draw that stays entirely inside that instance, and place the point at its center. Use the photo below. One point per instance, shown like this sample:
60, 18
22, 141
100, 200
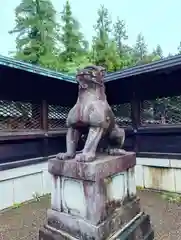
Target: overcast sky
158, 20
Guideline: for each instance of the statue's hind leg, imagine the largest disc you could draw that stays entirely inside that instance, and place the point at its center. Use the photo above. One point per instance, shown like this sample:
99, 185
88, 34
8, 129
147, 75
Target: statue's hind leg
89, 152
116, 139
72, 138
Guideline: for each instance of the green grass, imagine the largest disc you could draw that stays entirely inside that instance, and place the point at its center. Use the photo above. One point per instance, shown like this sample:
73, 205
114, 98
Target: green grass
139, 188
171, 197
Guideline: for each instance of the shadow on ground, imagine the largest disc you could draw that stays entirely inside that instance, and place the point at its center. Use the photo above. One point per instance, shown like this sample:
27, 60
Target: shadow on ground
24, 222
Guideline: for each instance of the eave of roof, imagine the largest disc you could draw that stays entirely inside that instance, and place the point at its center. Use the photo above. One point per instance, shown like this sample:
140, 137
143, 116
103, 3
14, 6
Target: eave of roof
170, 62
12, 63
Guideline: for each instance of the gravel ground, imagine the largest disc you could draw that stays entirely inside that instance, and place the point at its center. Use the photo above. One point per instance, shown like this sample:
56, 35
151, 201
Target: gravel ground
22, 223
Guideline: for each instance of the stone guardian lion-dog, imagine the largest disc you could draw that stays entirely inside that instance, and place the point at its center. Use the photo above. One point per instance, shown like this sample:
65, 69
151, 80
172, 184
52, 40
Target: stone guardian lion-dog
93, 113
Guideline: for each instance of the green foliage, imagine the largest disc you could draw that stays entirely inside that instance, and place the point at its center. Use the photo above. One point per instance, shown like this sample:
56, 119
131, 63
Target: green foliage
171, 197
74, 46
139, 188
35, 30
56, 41
140, 50
71, 38
120, 34
170, 55
16, 205
104, 49
158, 51
179, 48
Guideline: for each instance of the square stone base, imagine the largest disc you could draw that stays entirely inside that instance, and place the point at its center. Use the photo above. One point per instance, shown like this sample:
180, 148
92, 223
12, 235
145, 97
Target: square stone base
91, 201
138, 228
50, 234
98, 188
78, 228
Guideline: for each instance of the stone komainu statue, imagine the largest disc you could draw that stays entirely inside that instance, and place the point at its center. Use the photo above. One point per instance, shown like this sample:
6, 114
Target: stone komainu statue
92, 114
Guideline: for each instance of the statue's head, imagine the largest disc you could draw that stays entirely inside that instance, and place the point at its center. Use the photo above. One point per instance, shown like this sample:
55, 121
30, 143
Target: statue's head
91, 74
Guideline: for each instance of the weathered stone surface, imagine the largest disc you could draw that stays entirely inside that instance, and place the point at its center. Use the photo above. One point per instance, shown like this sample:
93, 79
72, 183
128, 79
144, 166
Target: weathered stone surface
92, 114
138, 229
104, 166
93, 194
47, 234
81, 229
95, 200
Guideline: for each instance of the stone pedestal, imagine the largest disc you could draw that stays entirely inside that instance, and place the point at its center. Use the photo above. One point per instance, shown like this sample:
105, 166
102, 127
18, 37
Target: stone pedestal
91, 200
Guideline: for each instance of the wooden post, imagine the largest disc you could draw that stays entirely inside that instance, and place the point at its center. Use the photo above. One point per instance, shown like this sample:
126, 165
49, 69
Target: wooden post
44, 123
136, 120
44, 111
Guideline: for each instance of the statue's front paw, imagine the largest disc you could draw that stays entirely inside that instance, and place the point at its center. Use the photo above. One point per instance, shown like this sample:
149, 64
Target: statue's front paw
116, 151
64, 156
85, 157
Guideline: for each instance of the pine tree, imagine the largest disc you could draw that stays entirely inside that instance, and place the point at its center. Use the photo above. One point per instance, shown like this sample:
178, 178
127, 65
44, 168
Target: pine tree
104, 49
158, 51
179, 48
72, 40
140, 49
170, 55
36, 30
120, 34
